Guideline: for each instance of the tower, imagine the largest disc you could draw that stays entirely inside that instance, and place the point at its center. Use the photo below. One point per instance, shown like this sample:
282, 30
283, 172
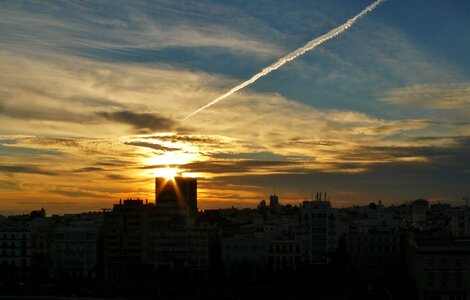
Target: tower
273, 201
177, 197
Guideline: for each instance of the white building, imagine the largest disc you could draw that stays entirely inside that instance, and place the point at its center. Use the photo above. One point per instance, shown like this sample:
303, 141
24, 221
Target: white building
319, 221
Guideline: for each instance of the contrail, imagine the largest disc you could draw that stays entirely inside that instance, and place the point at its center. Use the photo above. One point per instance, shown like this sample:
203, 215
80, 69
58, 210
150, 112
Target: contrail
291, 56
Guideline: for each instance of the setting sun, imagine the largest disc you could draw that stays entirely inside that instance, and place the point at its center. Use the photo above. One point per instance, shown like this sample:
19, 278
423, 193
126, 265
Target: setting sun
167, 172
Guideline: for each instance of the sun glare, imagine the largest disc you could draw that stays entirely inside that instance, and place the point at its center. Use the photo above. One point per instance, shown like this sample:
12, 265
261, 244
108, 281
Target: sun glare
168, 173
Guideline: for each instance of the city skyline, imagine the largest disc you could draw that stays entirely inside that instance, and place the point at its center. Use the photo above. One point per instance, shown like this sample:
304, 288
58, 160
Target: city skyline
92, 98
170, 250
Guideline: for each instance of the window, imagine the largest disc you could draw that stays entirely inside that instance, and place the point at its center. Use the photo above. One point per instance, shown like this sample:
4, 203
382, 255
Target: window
445, 279
431, 279
458, 279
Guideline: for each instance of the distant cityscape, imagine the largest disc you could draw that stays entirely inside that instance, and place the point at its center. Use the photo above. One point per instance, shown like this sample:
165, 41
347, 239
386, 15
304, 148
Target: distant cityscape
171, 250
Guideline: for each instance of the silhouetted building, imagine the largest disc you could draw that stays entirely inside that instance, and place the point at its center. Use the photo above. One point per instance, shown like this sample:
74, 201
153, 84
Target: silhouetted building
274, 201
319, 222
439, 266
285, 254
419, 209
42, 232
245, 256
75, 251
174, 240
372, 252
15, 252
37, 214
373, 241
176, 201
461, 222
125, 239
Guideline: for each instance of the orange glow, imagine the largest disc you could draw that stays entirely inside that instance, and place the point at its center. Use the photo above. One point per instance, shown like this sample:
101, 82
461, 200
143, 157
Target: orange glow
168, 173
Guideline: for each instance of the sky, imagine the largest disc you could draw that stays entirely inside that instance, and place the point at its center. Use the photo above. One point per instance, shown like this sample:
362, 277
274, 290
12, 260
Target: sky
93, 93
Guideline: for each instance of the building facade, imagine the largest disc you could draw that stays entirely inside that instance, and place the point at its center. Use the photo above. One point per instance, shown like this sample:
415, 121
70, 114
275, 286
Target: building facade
439, 266
319, 222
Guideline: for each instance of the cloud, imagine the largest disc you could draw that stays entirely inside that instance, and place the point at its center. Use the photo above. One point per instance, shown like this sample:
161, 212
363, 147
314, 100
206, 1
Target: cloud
192, 139
119, 163
117, 177
8, 142
153, 146
142, 122
82, 82
98, 102
438, 96
89, 169
8, 151
9, 185
262, 156
134, 25
222, 167
25, 169
77, 146
79, 193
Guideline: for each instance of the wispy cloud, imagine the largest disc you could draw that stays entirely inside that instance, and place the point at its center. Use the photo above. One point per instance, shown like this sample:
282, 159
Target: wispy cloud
142, 122
25, 169
153, 146
454, 96
134, 26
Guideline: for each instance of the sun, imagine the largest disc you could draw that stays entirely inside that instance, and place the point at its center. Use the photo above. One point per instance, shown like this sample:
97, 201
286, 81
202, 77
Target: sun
168, 173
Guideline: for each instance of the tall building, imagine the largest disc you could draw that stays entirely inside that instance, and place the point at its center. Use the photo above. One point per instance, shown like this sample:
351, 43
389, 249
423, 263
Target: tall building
42, 232
176, 200
125, 239
419, 210
174, 239
273, 201
319, 221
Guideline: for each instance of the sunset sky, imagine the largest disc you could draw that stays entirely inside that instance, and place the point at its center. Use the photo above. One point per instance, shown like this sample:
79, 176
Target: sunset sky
93, 93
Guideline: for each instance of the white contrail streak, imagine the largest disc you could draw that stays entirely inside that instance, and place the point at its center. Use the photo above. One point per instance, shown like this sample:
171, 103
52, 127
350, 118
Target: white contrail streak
291, 56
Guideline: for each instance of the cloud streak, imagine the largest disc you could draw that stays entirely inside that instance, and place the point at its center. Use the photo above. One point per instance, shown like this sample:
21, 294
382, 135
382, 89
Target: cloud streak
142, 122
25, 169
291, 56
